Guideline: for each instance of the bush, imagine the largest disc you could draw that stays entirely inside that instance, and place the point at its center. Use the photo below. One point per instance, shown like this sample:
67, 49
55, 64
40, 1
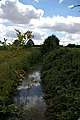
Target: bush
61, 82
34, 56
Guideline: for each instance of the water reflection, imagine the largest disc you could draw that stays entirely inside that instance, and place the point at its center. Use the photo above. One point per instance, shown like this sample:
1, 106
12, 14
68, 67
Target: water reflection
30, 92
35, 102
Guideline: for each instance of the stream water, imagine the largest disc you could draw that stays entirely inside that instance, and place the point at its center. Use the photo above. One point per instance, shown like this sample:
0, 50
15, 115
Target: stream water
31, 96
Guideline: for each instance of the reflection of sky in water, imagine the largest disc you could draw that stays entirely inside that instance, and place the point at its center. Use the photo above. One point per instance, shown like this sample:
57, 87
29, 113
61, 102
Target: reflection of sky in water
32, 79
35, 96
35, 101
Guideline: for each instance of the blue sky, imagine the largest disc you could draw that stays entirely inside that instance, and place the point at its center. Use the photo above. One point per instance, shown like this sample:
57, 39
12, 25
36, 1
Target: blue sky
54, 7
42, 17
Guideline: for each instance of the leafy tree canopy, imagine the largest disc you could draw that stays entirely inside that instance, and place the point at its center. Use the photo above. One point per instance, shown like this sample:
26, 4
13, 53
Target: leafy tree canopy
23, 38
49, 44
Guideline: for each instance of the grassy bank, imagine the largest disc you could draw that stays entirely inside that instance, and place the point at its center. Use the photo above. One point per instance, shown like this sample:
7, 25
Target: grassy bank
61, 83
14, 65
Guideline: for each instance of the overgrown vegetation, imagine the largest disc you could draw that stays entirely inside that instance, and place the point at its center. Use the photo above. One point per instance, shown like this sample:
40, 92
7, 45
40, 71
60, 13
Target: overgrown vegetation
60, 76
13, 68
15, 62
61, 82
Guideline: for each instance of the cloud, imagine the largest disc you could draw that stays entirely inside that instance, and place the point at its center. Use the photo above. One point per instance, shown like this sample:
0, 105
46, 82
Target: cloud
67, 24
36, 102
60, 1
2, 32
18, 13
67, 27
10, 33
36, 1
70, 38
71, 6
43, 27
39, 36
26, 17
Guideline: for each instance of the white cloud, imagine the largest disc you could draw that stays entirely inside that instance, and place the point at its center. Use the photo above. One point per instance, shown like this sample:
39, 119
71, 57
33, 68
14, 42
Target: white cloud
10, 33
26, 17
67, 24
39, 36
36, 102
70, 38
18, 13
2, 31
36, 1
60, 1
71, 6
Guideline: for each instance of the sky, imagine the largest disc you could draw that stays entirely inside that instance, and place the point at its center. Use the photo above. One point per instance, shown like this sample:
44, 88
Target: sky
43, 18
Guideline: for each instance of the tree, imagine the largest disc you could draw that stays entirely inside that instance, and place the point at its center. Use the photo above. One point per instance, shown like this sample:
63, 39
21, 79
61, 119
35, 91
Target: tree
50, 44
16, 42
30, 43
3, 42
23, 38
71, 45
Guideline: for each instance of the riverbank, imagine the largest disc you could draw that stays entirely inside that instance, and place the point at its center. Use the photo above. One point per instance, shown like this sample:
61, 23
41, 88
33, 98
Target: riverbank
60, 76
14, 67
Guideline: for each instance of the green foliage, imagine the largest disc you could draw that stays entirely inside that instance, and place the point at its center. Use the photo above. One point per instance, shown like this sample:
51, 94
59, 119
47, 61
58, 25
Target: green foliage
71, 45
9, 80
2, 48
15, 61
34, 56
30, 43
34, 114
11, 112
22, 38
61, 82
50, 44
13, 68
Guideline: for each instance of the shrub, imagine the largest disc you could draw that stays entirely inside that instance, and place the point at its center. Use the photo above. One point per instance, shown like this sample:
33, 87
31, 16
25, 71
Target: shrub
34, 56
61, 82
